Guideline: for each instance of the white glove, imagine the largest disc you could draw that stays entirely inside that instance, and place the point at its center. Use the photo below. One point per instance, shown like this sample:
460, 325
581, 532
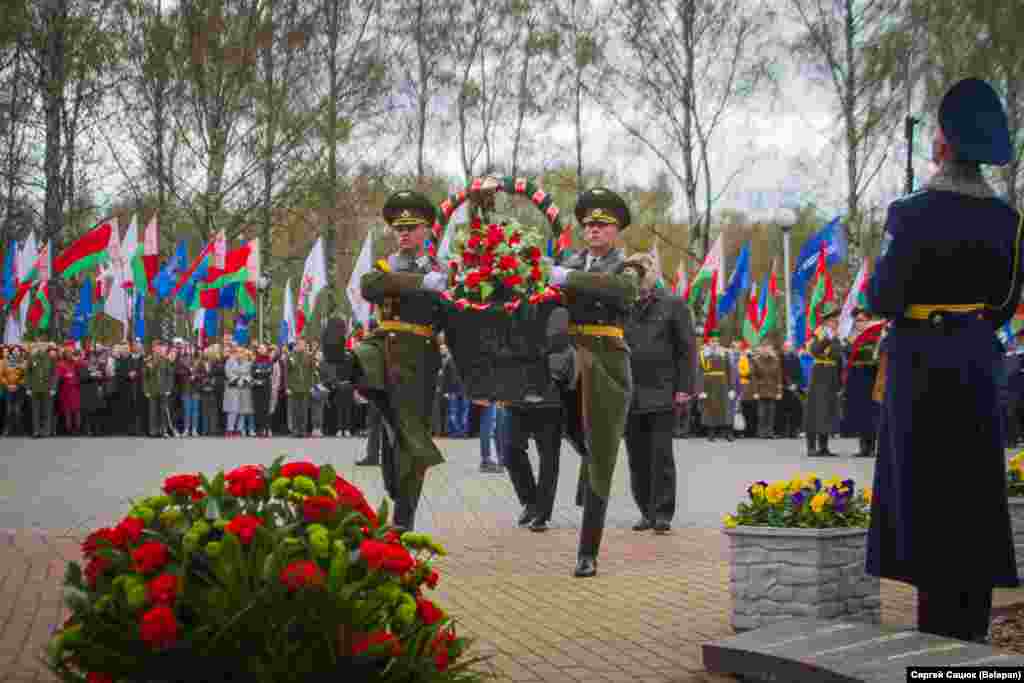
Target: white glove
732, 394
559, 275
757, 396
435, 281
792, 387
703, 395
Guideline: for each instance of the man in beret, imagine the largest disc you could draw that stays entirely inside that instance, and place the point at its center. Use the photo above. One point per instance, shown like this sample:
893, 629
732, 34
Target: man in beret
940, 453
600, 289
823, 392
398, 363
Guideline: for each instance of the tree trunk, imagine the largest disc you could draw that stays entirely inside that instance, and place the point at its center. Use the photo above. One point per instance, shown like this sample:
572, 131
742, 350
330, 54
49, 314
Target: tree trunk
849, 101
331, 234
53, 80
697, 231
14, 133
423, 96
523, 101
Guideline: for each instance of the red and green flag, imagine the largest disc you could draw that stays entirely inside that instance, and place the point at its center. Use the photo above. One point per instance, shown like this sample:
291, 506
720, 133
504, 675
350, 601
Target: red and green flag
768, 309
713, 264
39, 311
821, 294
711, 321
232, 272
88, 251
751, 326
247, 294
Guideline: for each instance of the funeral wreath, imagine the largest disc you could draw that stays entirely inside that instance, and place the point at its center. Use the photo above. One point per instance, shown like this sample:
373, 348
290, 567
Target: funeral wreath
263, 574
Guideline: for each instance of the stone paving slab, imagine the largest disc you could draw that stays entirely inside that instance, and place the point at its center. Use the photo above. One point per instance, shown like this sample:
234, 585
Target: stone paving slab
645, 616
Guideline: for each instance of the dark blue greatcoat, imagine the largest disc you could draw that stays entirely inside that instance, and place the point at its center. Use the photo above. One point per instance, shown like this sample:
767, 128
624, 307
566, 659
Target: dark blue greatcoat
860, 415
940, 509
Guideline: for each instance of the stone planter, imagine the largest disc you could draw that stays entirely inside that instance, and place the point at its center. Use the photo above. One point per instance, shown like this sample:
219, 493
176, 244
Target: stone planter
778, 574
1017, 524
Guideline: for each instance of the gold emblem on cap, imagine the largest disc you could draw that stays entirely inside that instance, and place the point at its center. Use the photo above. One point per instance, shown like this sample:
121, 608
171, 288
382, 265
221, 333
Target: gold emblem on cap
599, 215
407, 217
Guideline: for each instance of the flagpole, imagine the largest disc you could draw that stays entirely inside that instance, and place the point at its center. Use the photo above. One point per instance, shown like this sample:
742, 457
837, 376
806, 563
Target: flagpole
787, 227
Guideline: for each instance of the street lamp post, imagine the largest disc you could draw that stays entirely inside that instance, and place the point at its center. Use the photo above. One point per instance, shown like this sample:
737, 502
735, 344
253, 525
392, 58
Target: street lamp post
786, 219
261, 285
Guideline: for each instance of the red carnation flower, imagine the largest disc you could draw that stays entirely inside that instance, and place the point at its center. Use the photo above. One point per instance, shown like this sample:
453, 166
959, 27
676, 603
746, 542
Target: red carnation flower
453, 266
363, 641
301, 574
476, 223
469, 259
198, 496
473, 280
508, 262
182, 484
246, 480
389, 557
95, 569
351, 497
95, 677
244, 526
93, 542
515, 239
392, 536
536, 274
304, 469
428, 612
159, 628
163, 589
432, 578
318, 508
149, 557
535, 255
495, 235
512, 281
131, 529
474, 242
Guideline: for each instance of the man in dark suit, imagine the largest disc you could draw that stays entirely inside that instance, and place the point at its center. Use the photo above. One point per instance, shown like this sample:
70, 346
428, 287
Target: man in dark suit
940, 435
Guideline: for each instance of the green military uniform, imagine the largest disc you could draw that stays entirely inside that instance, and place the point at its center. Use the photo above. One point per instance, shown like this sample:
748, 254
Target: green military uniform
715, 379
158, 384
299, 381
600, 292
399, 362
767, 390
822, 410
41, 383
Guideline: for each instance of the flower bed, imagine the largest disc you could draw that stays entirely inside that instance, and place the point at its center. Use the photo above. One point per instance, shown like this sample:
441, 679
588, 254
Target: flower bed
1015, 492
798, 550
279, 573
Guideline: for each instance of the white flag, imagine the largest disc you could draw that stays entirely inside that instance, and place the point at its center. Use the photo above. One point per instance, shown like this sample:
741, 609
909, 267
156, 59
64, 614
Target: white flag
287, 333
360, 306
314, 278
252, 264
116, 303
129, 245
458, 218
846, 316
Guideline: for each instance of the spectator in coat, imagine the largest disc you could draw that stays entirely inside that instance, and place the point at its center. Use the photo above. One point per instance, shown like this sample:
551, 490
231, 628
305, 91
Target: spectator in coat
69, 396
238, 392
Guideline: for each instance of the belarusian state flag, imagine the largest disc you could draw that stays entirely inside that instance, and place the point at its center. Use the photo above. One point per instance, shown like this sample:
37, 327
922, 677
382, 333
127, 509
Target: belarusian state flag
854, 297
751, 331
247, 297
232, 271
88, 251
151, 253
39, 311
822, 292
713, 263
314, 278
38, 272
711, 322
768, 313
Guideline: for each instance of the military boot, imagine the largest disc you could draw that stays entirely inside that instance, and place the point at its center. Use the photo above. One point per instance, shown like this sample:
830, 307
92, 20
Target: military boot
823, 451
812, 450
595, 509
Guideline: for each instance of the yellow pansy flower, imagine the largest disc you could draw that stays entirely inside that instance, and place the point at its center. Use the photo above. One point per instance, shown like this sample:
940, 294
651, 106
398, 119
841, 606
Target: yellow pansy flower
795, 485
810, 479
756, 491
819, 502
834, 481
729, 521
868, 494
776, 492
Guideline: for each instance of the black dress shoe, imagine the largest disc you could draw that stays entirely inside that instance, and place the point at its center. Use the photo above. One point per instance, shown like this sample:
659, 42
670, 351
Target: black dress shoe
662, 527
643, 525
367, 462
539, 525
527, 516
585, 566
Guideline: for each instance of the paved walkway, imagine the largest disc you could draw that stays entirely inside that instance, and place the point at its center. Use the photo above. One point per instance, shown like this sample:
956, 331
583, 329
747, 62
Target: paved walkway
642, 619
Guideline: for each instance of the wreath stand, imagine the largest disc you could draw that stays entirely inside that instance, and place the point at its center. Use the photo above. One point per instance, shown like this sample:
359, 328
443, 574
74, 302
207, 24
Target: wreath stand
500, 356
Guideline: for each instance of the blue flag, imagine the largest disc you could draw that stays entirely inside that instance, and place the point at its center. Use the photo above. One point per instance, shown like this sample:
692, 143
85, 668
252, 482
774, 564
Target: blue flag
738, 283
7, 288
834, 237
168, 275
282, 333
140, 315
189, 293
83, 312
241, 333
210, 325
228, 297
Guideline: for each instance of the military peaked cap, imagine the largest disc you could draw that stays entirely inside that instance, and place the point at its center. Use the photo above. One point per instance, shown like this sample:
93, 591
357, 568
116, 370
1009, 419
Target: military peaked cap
601, 205
408, 209
974, 122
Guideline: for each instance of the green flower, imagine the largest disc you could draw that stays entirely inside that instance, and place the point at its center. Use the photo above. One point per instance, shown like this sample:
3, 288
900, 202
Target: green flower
328, 491
220, 524
144, 513
320, 539
191, 541
213, 549
201, 528
136, 595
280, 487
304, 485
171, 518
157, 502
406, 612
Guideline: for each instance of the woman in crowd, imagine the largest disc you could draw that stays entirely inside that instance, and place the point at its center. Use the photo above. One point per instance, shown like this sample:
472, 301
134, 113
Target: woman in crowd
237, 392
262, 384
188, 376
92, 376
69, 395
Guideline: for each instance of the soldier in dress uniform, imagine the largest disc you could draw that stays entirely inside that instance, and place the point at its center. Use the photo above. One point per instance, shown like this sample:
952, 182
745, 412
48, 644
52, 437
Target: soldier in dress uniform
399, 361
940, 434
822, 407
600, 289
714, 376
767, 388
41, 383
862, 370
13, 379
299, 369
